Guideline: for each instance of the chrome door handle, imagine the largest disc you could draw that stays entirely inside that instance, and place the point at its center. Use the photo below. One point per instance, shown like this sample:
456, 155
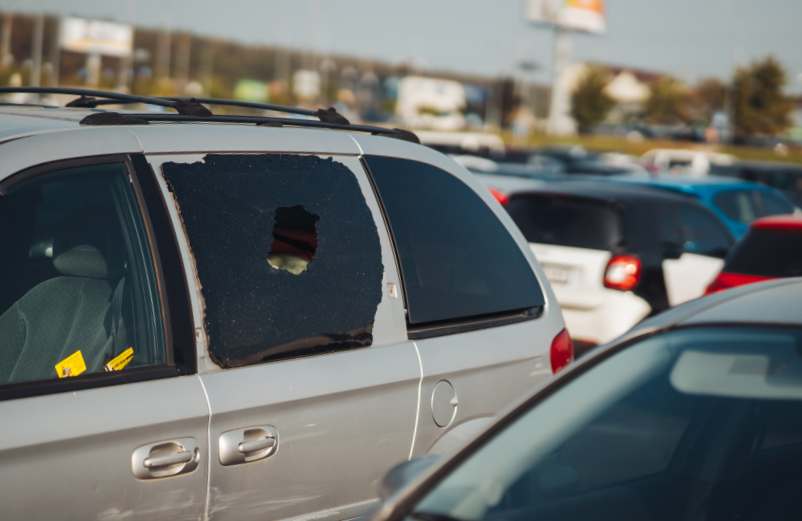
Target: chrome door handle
247, 444
170, 459
165, 458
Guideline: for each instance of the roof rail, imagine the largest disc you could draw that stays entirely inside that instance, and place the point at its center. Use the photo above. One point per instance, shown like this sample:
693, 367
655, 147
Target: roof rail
194, 109
87, 96
143, 118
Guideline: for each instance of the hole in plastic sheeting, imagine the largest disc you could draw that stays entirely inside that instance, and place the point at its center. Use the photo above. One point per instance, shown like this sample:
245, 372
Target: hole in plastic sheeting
287, 254
294, 240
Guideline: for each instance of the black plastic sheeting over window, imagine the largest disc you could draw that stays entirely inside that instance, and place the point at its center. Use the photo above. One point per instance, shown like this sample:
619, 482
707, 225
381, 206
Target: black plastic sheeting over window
287, 252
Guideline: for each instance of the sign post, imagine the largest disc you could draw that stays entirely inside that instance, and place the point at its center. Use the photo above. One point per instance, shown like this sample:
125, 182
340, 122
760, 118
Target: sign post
565, 17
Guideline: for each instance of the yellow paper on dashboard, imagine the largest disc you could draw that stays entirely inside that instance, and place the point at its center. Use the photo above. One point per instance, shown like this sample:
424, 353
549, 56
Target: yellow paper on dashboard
119, 362
73, 365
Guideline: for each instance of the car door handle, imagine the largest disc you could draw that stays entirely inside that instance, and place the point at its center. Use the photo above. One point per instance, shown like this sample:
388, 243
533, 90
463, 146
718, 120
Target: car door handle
165, 458
252, 446
247, 444
170, 459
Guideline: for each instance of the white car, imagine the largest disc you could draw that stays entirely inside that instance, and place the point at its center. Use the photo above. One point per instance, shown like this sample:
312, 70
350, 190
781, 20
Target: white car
614, 253
696, 163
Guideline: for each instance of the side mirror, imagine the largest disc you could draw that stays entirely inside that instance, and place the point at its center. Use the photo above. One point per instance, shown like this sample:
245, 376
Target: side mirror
671, 250
404, 473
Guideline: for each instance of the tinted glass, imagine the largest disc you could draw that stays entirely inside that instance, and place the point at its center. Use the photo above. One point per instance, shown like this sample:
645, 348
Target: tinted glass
687, 425
745, 206
566, 221
77, 285
769, 253
287, 252
457, 259
693, 229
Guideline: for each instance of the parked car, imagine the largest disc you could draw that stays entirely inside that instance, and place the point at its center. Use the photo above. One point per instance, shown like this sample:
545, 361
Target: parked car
786, 177
617, 253
696, 163
697, 414
772, 249
735, 203
245, 317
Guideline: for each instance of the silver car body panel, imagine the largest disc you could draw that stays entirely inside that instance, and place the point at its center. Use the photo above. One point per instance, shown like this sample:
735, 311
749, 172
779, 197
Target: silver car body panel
69, 455
332, 412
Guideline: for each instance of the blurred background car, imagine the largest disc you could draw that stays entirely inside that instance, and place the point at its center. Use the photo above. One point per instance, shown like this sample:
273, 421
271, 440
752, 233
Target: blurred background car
692, 162
786, 177
735, 203
616, 253
772, 249
683, 419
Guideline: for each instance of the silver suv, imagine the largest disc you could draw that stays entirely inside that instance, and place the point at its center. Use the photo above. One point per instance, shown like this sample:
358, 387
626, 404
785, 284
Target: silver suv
245, 317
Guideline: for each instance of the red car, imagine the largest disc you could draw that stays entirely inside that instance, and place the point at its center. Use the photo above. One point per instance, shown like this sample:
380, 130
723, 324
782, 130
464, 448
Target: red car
771, 249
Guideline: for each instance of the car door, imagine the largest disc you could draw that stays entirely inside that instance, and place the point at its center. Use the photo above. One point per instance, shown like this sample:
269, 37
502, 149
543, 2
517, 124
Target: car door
103, 417
311, 381
475, 308
703, 242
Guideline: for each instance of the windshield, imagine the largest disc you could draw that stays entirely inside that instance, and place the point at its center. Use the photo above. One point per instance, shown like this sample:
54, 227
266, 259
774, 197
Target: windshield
767, 253
696, 424
745, 206
566, 221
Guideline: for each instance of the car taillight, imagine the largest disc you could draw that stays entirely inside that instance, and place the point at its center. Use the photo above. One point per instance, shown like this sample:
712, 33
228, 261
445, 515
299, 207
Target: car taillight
500, 196
562, 351
732, 280
623, 272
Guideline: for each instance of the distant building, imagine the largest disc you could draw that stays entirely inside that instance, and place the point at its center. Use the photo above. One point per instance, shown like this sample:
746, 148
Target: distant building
629, 87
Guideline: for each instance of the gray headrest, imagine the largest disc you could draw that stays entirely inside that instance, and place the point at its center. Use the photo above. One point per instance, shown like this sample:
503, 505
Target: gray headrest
82, 261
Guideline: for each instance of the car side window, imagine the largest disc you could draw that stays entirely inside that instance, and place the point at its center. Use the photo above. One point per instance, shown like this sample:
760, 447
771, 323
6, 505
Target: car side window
457, 259
287, 253
78, 291
702, 233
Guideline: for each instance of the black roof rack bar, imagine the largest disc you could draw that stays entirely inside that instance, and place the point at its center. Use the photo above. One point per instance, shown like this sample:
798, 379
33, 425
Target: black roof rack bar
89, 98
112, 118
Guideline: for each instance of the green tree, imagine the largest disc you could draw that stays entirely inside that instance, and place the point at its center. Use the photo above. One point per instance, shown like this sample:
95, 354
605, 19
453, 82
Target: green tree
758, 102
709, 97
590, 104
669, 102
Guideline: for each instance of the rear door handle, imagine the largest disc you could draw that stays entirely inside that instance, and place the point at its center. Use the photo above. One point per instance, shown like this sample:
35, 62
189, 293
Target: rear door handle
156, 462
248, 444
165, 458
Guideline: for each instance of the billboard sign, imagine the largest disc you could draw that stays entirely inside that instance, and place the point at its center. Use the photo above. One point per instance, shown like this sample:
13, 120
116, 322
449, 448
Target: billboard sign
96, 37
574, 15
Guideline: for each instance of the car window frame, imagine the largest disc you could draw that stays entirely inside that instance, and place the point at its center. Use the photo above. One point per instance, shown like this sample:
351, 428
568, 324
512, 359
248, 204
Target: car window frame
451, 326
180, 357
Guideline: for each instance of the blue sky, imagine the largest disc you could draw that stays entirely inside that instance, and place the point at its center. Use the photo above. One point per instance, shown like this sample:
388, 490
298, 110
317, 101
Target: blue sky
688, 38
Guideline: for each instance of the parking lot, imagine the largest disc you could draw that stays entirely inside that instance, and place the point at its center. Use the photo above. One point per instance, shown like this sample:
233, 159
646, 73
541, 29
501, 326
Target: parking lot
251, 274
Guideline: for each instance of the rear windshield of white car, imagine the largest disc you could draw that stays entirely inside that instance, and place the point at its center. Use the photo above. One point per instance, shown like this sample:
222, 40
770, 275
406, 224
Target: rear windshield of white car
768, 253
566, 221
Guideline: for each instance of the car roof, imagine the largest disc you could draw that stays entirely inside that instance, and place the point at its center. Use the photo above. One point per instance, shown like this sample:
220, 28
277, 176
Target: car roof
691, 184
605, 191
20, 120
771, 302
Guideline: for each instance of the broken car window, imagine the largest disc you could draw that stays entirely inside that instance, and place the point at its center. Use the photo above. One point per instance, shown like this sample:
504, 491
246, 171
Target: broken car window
287, 252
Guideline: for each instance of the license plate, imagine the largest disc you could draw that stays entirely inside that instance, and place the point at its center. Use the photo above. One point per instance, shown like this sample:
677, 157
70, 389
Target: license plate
557, 275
